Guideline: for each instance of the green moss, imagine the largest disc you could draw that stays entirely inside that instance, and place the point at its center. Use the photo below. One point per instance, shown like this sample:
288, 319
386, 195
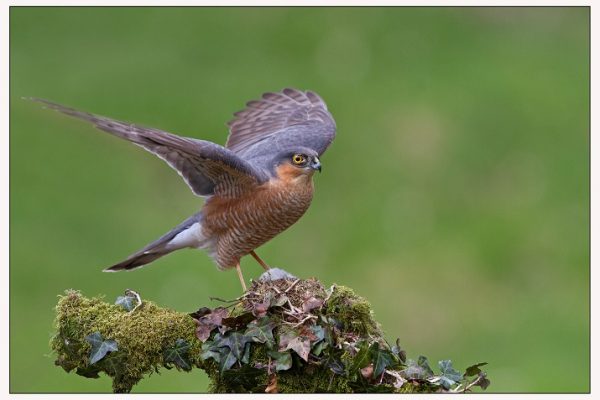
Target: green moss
141, 337
312, 380
304, 379
216, 384
353, 311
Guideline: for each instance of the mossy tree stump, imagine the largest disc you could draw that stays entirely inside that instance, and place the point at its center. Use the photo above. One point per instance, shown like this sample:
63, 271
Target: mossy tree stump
283, 335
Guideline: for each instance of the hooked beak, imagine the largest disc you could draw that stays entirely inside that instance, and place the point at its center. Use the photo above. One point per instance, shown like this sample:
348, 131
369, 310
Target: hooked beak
316, 164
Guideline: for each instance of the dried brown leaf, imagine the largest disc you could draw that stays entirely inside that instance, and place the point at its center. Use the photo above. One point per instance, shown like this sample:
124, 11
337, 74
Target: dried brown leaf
312, 303
308, 333
367, 372
209, 321
399, 381
201, 312
272, 386
238, 322
301, 346
260, 309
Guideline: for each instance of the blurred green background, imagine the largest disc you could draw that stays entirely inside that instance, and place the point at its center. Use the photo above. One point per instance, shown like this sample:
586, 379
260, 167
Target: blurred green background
455, 197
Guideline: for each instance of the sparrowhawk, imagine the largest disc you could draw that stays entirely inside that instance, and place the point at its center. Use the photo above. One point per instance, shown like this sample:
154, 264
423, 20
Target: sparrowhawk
256, 186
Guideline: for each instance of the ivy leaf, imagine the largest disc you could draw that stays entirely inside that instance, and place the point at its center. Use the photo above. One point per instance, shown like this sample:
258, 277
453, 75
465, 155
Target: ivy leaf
301, 346
242, 379
449, 376
328, 336
291, 340
447, 370
227, 360
128, 302
361, 359
246, 357
100, 347
261, 331
318, 332
178, 355
474, 369
210, 350
282, 361
286, 335
236, 342
380, 358
423, 363
318, 348
483, 382
417, 369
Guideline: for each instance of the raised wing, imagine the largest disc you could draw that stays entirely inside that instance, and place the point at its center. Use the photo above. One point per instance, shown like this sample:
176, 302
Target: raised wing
290, 117
206, 167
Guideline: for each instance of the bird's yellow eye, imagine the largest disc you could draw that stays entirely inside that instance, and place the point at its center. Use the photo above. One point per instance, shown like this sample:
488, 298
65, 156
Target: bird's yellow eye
298, 159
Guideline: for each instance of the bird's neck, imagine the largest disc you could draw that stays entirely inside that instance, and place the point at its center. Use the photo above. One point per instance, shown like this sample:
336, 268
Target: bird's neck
289, 174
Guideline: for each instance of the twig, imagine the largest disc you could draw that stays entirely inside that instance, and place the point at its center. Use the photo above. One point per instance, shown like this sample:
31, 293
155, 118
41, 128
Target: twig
130, 292
292, 308
475, 382
292, 285
304, 320
291, 314
225, 301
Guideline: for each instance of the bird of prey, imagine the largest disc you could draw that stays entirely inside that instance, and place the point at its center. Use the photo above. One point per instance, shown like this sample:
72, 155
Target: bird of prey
256, 186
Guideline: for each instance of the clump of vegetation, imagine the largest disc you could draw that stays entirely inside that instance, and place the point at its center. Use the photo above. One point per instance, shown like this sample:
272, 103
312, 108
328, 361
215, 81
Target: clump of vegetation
282, 336
124, 340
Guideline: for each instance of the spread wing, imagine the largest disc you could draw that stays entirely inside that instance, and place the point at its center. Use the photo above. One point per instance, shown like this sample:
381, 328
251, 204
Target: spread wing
206, 167
290, 117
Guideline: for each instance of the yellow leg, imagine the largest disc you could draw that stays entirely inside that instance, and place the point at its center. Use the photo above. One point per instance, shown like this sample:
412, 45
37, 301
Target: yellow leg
239, 271
259, 260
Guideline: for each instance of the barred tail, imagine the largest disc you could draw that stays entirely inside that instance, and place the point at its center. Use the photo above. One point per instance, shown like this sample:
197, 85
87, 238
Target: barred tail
186, 234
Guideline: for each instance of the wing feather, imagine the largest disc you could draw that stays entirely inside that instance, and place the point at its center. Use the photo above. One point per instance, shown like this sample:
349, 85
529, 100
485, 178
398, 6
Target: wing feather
269, 120
206, 167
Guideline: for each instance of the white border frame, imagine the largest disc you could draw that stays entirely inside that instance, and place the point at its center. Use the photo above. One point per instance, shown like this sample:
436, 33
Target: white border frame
4, 168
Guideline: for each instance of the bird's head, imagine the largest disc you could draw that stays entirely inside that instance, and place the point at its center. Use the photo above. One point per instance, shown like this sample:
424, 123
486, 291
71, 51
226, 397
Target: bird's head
297, 162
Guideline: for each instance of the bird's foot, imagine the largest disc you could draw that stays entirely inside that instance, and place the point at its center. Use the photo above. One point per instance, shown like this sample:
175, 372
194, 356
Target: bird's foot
259, 260
241, 276
274, 274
